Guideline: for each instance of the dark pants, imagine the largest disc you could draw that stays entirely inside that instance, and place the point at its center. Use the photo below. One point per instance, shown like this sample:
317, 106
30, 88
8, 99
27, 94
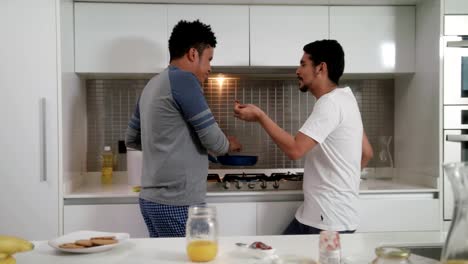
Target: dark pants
297, 228
164, 220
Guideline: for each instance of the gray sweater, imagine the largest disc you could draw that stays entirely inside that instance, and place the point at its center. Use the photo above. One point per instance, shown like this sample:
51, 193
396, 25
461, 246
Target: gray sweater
177, 128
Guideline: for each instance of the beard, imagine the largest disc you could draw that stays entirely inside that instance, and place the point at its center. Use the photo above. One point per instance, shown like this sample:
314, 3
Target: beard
303, 89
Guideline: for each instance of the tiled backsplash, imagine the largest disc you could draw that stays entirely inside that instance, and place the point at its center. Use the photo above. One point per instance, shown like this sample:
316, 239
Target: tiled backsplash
110, 104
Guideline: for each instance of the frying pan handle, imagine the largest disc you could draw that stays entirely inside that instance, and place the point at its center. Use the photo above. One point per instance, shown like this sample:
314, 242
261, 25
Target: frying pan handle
212, 159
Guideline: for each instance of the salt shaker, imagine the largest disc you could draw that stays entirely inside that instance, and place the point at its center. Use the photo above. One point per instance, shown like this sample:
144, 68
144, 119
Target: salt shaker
329, 247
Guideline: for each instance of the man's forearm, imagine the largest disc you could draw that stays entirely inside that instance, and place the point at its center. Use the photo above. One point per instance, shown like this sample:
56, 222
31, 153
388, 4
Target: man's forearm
283, 139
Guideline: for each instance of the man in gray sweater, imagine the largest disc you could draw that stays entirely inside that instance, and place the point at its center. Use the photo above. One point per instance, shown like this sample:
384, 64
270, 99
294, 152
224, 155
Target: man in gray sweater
177, 130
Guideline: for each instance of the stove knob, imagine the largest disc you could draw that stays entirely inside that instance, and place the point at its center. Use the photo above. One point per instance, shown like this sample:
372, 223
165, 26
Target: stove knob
226, 185
238, 185
263, 185
276, 185
251, 185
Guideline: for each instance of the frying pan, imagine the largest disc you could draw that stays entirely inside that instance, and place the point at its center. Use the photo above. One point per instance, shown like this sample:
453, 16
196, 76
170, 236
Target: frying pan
234, 160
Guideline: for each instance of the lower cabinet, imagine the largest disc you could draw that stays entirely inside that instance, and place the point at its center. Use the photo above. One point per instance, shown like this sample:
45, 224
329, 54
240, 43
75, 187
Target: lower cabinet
378, 213
125, 218
384, 213
274, 217
236, 219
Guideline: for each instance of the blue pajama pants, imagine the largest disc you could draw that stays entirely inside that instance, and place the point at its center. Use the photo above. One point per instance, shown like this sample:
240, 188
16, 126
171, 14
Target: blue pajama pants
164, 220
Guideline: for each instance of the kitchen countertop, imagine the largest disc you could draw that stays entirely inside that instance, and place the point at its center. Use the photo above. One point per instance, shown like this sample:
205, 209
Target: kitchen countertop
120, 189
356, 248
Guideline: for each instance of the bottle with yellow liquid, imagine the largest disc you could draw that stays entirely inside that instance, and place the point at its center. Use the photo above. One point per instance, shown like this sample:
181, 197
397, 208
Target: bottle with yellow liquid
455, 250
107, 165
202, 234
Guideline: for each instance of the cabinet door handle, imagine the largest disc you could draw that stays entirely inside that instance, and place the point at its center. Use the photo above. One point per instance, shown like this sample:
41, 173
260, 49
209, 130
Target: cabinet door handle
457, 138
457, 44
43, 139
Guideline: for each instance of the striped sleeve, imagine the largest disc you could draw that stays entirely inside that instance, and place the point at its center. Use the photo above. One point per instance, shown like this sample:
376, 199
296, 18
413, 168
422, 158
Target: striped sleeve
188, 95
133, 133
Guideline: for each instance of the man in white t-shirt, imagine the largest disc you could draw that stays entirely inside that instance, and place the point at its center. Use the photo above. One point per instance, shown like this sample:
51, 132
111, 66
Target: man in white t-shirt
332, 140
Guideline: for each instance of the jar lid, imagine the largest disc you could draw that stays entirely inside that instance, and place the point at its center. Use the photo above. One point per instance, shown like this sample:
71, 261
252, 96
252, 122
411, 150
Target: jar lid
392, 252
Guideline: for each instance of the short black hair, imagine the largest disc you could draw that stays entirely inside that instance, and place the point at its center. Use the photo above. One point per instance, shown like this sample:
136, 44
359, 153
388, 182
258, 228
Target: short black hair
187, 35
330, 52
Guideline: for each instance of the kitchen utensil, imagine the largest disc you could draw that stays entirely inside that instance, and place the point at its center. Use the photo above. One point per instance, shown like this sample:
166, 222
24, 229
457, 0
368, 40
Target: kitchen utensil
234, 160
257, 252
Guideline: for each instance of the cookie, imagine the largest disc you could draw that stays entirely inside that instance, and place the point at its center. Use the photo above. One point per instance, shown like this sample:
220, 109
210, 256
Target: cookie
84, 243
103, 238
102, 242
70, 246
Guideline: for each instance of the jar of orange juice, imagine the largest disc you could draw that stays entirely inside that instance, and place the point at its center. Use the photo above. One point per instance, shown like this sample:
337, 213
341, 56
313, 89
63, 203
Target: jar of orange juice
202, 233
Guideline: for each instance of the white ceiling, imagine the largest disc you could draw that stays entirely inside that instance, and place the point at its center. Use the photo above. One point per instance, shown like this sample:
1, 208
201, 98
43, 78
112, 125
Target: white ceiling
271, 2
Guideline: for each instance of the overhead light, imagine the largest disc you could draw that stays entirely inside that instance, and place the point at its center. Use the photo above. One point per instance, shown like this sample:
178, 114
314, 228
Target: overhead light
220, 80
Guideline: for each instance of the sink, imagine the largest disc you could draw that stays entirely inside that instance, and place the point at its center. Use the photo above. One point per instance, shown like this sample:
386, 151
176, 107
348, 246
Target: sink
432, 251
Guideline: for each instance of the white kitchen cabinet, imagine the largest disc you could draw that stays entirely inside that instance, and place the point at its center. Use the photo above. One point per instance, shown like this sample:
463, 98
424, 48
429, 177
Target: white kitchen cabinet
29, 72
236, 219
456, 7
375, 39
124, 218
278, 33
274, 217
398, 212
230, 24
120, 38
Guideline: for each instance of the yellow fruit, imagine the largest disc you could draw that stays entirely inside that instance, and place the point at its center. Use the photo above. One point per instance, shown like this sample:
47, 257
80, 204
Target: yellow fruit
8, 260
10, 245
3, 256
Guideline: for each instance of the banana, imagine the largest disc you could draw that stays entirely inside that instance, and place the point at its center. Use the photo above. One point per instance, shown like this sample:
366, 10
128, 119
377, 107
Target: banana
3, 256
10, 245
8, 260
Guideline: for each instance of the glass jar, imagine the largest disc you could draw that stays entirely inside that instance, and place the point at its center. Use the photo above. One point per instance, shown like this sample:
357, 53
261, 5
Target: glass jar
383, 159
455, 250
202, 233
392, 255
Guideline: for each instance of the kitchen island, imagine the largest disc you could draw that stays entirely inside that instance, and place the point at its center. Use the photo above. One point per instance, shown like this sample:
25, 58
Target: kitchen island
356, 248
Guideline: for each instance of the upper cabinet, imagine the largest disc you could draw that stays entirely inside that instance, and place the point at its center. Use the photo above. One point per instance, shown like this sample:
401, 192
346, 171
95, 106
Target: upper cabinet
120, 38
456, 7
230, 23
278, 33
133, 38
375, 39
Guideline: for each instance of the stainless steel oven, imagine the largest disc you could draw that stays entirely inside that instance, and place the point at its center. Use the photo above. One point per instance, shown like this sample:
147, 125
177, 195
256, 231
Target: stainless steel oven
455, 147
456, 70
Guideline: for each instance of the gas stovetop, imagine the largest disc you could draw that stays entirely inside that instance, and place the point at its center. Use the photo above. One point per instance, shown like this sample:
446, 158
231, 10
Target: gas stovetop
255, 180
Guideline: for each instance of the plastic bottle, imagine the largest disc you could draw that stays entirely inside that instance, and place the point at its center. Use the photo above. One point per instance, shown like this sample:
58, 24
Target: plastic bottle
107, 165
329, 247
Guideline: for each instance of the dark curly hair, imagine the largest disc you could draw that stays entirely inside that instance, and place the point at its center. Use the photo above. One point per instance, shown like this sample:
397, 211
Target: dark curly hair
186, 35
330, 52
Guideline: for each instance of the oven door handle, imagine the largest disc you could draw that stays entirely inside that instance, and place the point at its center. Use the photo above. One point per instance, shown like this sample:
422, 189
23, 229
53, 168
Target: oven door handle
457, 44
457, 138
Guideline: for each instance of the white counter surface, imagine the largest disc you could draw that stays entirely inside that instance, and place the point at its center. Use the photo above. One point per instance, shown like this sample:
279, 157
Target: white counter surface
356, 248
120, 189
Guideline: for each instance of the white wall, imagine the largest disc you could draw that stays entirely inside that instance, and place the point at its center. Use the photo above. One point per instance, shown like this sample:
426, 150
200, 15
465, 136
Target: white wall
73, 105
417, 97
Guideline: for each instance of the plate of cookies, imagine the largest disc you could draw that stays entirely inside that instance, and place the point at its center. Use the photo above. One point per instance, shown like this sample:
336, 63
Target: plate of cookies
88, 241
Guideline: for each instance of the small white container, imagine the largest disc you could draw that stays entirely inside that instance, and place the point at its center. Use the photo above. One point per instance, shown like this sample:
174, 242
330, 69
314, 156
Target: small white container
134, 166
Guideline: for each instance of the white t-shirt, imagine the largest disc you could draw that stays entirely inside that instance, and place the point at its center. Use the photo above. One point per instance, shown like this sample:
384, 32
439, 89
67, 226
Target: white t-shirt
332, 168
